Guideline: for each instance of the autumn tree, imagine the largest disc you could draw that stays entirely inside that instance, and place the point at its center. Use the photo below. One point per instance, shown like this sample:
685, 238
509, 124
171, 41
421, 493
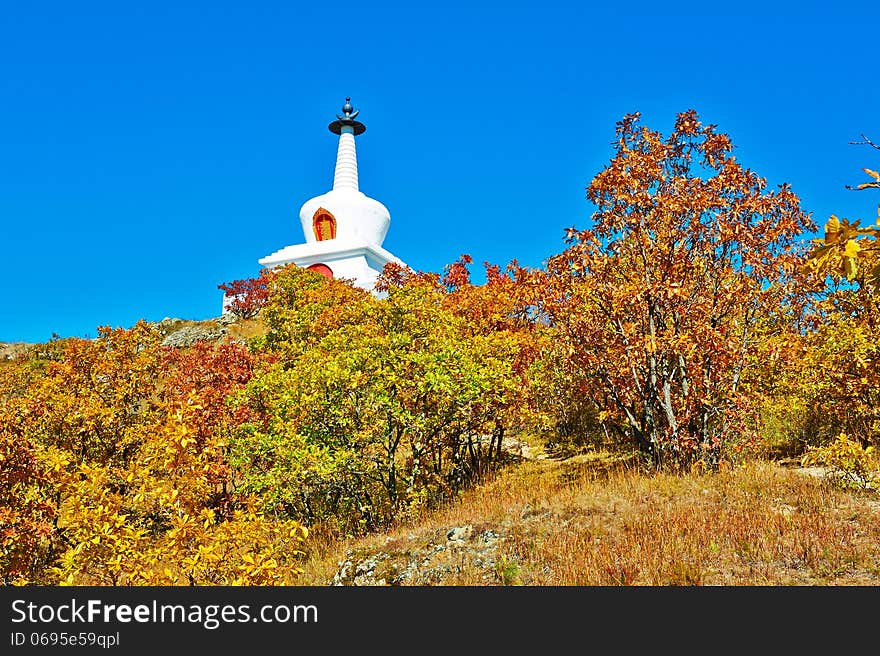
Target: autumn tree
847, 249
29, 542
166, 517
246, 297
660, 303
93, 395
490, 321
208, 374
374, 407
302, 308
114, 468
840, 371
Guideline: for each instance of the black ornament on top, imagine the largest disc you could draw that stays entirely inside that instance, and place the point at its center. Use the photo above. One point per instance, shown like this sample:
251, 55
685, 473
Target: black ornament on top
347, 119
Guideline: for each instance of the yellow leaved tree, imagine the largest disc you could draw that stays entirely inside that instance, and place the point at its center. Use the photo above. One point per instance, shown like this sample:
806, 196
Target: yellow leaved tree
842, 365
848, 249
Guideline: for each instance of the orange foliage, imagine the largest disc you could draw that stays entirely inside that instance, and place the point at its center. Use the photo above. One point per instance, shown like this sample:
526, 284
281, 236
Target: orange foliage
660, 303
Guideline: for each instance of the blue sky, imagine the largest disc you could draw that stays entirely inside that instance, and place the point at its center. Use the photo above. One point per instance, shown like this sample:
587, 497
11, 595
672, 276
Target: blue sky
149, 152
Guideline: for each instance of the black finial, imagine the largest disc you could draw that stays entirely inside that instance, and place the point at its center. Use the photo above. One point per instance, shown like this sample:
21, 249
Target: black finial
348, 115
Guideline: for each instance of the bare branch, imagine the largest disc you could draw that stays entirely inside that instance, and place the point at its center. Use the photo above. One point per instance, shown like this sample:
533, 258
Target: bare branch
866, 142
867, 185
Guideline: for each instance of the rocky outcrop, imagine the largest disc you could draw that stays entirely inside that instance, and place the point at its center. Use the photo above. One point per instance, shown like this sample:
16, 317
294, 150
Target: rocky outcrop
415, 561
189, 335
11, 350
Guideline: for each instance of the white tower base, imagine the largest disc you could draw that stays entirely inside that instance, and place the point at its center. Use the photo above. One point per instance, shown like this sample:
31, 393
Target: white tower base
358, 261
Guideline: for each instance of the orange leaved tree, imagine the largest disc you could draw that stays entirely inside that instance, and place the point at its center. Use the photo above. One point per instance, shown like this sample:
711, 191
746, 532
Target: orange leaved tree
661, 303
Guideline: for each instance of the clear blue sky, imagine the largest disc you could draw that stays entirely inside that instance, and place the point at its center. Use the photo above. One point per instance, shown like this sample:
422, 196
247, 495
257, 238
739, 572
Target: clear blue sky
149, 153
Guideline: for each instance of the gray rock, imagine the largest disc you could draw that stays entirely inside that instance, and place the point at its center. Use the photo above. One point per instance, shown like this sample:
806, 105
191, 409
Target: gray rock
460, 533
432, 561
189, 335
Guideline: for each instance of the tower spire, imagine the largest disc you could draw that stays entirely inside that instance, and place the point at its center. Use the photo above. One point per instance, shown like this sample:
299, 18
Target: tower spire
346, 174
343, 228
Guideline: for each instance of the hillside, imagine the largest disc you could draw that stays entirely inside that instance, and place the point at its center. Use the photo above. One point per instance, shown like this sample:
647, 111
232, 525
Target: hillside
433, 437
593, 520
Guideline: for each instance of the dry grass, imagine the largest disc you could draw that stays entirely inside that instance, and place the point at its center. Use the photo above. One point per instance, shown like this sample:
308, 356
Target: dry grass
245, 329
594, 521
11, 350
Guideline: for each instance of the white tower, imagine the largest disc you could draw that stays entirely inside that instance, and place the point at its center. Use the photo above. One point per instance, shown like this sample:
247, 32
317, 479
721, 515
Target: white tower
344, 229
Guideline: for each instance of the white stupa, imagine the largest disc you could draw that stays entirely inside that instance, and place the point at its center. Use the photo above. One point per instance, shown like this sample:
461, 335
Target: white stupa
344, 229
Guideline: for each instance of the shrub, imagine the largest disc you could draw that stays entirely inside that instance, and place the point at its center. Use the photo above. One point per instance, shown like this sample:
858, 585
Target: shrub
849, 464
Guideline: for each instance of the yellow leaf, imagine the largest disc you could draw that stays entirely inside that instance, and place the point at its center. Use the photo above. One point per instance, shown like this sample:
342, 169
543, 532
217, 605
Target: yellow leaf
873, 174
851, 249
832, 229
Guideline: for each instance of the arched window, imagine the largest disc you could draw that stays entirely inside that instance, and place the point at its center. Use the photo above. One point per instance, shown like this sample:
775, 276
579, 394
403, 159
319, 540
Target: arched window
323, 269
324, 225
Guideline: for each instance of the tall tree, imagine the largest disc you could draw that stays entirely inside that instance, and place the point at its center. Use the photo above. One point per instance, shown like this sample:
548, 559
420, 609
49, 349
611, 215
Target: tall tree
661, 303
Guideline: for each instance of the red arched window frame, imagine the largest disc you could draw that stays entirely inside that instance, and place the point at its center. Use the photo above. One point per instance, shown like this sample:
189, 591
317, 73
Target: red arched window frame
323, 269
324, 225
